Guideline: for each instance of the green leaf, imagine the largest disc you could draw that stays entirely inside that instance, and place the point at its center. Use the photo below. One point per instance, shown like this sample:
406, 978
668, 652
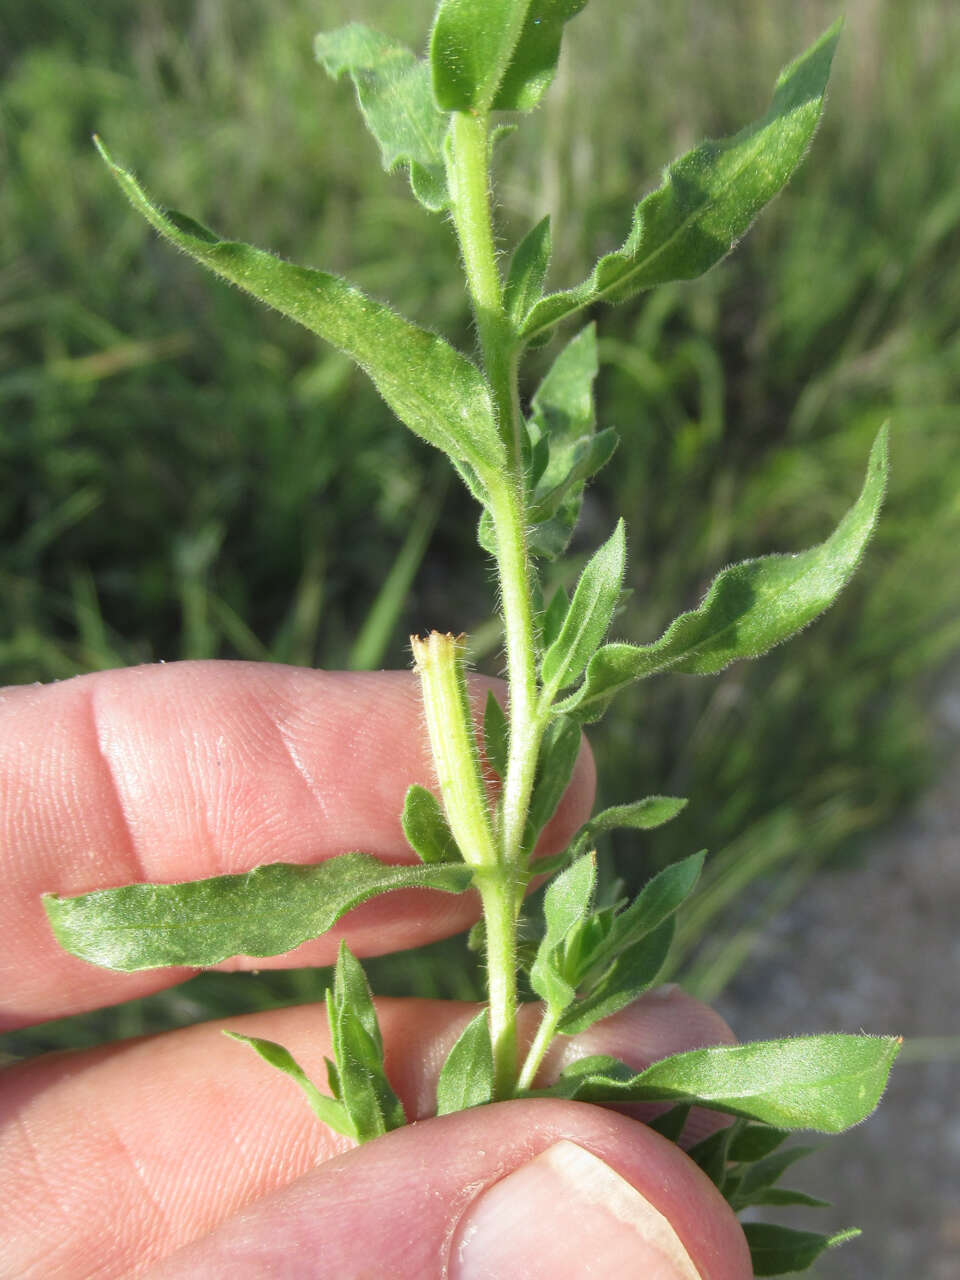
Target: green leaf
558, 755
396, 99
467, 1076
749, 608
633, 972
562, 414
755, 1141
201, 922
588, 618
327, 1110
708, 198
660, 898
672, 1123
426, 828
554, 615
762, 1174
775, 1250
826, 1082
710, 1155
782, 1197
470, 49
534, 61
437, 392
366, 1093
496, 736
566, 902
528, 270
641, 815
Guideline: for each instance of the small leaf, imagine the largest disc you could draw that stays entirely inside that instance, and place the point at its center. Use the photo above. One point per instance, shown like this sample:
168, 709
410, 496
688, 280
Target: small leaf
642, 815
782, 1197
755, 1141
467, 1076
528, 270
585, 458
437, 392
826, 1082
426, 828
558, 755
634, 971
201, 922
496, 736
672, 1123
589, 615
366, 1093
563, 402
566, 902
749, 608
711, 1154
659, 899
327, 1110
554, 615
763, 1174
396, 99
775, 1251
709, 197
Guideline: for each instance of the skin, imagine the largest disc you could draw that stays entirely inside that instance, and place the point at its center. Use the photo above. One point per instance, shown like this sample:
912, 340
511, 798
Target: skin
115, 1159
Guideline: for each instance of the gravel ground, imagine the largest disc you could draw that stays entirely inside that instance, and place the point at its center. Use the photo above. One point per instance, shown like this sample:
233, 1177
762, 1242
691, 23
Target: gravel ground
880, 945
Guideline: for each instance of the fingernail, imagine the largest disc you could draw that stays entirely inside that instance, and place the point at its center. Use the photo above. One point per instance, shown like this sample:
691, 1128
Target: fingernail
567, 1214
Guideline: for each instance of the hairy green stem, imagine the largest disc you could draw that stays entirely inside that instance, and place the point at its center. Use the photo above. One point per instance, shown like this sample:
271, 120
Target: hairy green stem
541, 1043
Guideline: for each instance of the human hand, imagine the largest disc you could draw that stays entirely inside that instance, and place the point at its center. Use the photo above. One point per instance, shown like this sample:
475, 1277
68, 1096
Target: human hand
181, 1153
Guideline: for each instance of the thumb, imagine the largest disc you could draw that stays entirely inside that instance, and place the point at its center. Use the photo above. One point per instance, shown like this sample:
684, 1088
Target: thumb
532, 1190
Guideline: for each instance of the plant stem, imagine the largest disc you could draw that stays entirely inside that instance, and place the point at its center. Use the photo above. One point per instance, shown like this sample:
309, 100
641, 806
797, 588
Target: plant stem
468, 178
541, 1042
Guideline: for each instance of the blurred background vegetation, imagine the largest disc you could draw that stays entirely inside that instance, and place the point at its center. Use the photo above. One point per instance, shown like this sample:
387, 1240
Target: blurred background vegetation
185, 475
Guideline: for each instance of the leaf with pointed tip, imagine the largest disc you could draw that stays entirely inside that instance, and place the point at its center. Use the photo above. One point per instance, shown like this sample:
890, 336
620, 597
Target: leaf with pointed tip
660, 898
467, 1076
554, 615
710, 1155
562, 405
634, 971
396, 99
825, 1082
763, 1174
566, 903
709, 197
202, 922
496, 736
782, 1197
755, 1141
585, 458
433, 389
499, 54
775, 1251
589, 615
365, 1091
528, 270
750, 607
558, 755
327, 1110
426, 828
672, 1123
641, 815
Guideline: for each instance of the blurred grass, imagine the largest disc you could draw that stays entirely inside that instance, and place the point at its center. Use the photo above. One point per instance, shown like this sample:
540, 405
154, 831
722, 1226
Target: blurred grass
183, 474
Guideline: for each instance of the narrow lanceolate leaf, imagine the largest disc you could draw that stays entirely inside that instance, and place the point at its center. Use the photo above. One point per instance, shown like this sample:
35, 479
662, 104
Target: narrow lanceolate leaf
534, 60
366, 1093
558, 755
528, 270
777, 1251
589, 615
641, 815
826, 1083
496, 736
467, 1076
396, 98
201, 922
659, 899
562, 422
327, 1110
426, 828
437, 392
633, 972
566, 903
748, 609
553, 616
708, 198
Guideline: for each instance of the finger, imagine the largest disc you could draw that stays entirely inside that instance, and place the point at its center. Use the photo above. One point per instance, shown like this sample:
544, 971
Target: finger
542, 1190
195, 769
119, 1156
